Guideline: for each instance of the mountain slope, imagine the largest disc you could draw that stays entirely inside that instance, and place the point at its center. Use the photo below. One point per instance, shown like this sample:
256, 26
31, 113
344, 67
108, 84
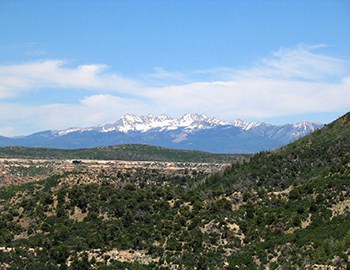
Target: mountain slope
319, 151
191, 132
293, 201
286, 209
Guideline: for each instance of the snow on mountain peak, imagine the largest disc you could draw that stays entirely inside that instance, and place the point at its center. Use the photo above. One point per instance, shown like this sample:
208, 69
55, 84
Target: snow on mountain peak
188, 123
239, 123
131, 122
190, 118
246, 125
304, 126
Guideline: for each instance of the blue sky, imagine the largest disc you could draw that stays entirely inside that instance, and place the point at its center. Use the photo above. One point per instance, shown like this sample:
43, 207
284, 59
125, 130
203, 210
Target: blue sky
85, 63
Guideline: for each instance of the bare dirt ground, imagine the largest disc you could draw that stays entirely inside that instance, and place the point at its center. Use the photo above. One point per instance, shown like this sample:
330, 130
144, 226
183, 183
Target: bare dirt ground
20, 171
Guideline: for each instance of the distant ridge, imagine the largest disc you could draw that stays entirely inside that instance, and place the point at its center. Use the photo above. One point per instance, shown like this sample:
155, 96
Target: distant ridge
127, 152
191, 132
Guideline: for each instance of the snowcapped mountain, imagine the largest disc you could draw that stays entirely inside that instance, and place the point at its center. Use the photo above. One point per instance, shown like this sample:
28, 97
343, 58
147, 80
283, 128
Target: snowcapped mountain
191, 131
131, 122
303, 128
247, 125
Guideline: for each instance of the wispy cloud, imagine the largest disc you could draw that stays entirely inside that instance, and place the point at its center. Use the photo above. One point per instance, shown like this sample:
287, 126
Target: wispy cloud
160, 75
20, 119
300, 63
92, 110
289, 82
55, 74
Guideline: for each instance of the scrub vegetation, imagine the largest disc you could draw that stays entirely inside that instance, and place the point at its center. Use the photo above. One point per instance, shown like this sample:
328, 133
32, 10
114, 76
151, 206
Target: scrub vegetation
286, 209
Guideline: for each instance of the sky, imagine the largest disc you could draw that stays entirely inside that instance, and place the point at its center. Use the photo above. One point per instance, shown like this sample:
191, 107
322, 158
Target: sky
86, 63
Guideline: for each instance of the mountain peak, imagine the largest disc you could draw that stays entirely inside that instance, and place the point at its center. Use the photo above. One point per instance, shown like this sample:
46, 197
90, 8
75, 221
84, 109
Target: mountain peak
246, 125
190, 118
195, 116
190, 121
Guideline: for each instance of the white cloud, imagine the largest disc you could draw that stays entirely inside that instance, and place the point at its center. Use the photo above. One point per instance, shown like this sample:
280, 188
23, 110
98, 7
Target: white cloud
18, 78
258, 98
162, 74
92, 110
290, 82
299, 63
7, 131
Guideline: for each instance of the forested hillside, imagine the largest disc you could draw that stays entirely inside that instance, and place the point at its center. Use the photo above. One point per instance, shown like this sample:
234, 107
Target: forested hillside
287, 209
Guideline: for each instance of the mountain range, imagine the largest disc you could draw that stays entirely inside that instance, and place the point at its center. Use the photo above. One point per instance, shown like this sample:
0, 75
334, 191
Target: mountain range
192, 132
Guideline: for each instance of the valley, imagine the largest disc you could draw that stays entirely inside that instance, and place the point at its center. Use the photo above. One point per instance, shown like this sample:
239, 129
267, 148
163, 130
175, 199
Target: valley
282, 209
17, 171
